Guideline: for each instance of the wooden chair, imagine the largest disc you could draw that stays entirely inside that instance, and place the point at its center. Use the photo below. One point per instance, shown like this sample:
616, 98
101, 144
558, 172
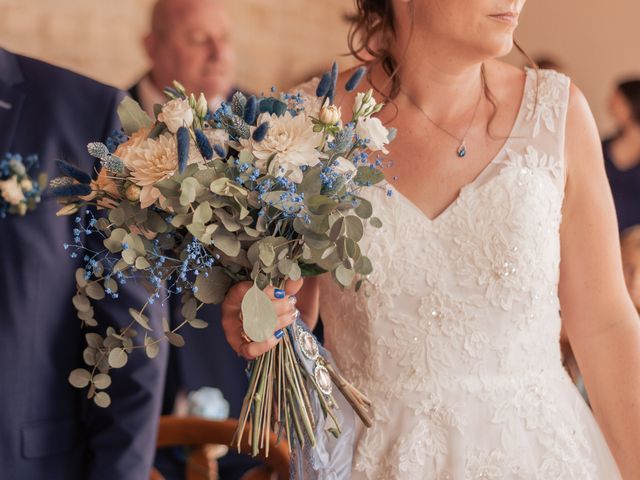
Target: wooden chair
198, 433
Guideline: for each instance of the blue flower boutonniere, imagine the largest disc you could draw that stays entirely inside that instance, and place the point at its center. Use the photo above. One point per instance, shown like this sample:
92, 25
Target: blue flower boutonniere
19, 193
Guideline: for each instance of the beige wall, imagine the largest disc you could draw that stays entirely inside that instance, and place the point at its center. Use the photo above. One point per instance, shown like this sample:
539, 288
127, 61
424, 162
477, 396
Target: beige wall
278, 41
597, 40
281, 41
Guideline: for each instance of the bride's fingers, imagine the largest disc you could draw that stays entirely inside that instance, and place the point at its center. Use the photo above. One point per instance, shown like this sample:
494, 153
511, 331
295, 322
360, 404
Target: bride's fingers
291, 288
251, 350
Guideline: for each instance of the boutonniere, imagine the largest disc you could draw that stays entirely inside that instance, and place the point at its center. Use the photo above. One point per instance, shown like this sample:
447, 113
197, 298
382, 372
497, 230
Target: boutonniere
19, 192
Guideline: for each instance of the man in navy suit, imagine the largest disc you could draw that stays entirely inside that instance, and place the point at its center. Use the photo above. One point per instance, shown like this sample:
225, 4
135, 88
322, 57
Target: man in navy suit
48, 429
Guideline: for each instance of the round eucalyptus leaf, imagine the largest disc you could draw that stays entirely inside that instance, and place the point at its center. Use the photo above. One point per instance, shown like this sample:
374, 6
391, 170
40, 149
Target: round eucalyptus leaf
152, 347
344, 276
259, 317
102, 399
81, 302
79, 377
213, 287
197, 323
102, 381
93, 340
141, 318
117, 358
175, 339
80, 280
375, 222
94, 290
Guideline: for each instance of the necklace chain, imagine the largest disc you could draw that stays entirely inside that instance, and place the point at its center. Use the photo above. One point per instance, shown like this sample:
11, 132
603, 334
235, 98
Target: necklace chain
461, 151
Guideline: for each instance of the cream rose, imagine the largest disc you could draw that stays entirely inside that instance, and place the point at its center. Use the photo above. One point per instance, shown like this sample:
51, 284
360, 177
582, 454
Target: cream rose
373, 129
364, 104
11, 191
176, 113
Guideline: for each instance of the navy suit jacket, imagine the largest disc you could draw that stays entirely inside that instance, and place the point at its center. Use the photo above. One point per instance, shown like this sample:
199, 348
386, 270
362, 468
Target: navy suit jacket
48, 429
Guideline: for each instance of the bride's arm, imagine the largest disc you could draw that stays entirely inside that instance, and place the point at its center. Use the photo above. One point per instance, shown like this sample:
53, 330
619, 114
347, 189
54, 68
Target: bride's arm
601, 322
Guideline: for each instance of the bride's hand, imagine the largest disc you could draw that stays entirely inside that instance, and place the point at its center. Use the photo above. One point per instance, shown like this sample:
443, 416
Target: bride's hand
284, 302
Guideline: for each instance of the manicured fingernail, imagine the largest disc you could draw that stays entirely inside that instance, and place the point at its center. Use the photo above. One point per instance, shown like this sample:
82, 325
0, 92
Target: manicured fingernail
279, 334
278, 293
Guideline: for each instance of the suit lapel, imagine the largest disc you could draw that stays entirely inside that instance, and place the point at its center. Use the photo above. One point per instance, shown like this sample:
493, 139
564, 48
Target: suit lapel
11, 99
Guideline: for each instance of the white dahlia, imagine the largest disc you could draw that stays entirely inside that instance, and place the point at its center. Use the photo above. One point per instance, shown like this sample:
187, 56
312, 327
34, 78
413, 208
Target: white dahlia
290, 143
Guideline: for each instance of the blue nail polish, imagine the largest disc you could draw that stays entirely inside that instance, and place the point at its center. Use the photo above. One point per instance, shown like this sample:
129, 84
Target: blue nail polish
279, 334
278, 293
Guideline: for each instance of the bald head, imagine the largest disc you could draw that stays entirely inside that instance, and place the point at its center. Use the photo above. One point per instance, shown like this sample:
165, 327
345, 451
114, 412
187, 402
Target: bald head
190, 41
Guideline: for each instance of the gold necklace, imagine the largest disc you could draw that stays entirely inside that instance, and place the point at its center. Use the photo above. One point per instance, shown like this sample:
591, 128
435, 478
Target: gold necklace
462, 149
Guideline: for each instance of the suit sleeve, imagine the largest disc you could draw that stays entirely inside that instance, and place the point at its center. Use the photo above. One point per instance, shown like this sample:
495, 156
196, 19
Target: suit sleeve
122, 437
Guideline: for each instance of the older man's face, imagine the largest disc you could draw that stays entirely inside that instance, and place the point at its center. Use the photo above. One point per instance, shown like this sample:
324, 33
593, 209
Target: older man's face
194, 47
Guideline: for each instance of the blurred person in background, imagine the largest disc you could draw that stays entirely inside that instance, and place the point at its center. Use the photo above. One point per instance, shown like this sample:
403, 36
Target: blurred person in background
190, 41
48, 429
622, 152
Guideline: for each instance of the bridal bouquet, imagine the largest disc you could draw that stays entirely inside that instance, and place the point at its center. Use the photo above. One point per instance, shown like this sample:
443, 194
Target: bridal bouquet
263, 189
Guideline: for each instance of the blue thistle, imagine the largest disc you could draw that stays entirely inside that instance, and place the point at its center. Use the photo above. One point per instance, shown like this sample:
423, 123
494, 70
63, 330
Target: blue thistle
260, 132
183, 148
355, 79
334, 82
219, 150
73, 172
251, 110
75, 190
113, 164
324, 85
203, 145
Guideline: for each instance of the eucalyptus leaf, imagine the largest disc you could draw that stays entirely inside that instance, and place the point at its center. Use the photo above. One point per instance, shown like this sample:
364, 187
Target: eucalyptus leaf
117, 216
142, 263
364, 209
93, 340
344, 276
175, 339
214, 287
355, 229
190, 309
375, 222
320, 204
80, 280
102, 381
364, 266
188, 190
117, 358
102, 399
203, 213
152, 347
132, 116
197, 323
140, 318
368, 175
94, 290
79, 377
226, 242
259, 317
81, 302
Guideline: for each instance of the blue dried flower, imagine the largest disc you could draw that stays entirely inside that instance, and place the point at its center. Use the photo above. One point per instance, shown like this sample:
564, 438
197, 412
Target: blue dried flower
113, 164
251, 110
219, 151
203, 145
334, 82
75, 190
324, 85
183, 148
73, 172
355, 79
260, 132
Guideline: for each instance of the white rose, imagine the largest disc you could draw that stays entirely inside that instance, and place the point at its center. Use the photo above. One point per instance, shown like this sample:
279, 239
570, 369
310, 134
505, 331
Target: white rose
344, 167
373, 129
364, 104
176, 113
11, 191
330, 114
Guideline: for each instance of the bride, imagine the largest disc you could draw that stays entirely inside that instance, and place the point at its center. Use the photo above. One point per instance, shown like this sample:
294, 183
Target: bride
497, 176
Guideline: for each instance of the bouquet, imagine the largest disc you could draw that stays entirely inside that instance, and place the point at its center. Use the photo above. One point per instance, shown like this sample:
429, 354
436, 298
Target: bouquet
19, 192
263, 189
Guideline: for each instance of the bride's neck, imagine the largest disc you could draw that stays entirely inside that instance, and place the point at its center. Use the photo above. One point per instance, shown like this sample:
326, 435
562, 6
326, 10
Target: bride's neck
441, 81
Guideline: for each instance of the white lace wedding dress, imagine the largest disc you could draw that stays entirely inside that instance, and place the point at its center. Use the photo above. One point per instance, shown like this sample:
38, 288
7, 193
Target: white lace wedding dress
455, 340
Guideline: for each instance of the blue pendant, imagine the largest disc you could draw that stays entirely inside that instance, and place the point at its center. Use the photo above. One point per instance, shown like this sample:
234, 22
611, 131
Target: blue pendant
462, 151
